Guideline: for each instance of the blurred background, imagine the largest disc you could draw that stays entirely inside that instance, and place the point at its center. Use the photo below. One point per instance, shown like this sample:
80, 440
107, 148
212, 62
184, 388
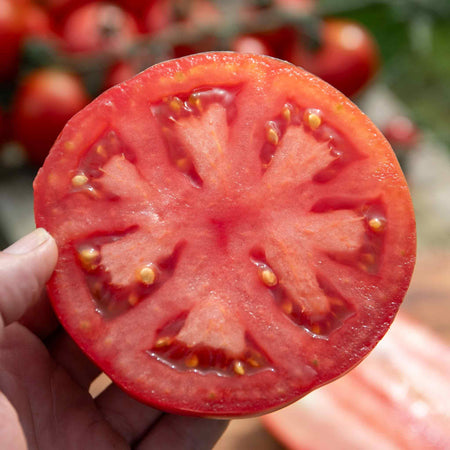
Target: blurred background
392, 57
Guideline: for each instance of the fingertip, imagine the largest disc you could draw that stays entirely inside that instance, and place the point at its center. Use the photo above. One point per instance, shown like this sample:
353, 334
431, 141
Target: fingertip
25, 267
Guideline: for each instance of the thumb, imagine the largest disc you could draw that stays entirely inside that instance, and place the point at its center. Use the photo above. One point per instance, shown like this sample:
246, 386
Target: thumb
25, 267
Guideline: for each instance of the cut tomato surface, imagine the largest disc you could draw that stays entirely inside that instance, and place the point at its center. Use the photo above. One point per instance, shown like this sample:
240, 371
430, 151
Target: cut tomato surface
233, 233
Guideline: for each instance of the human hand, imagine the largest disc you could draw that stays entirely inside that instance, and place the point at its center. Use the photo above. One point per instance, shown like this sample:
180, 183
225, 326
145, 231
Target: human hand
45, 377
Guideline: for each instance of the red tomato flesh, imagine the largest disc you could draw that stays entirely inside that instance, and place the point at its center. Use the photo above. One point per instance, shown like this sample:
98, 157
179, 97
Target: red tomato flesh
233, 233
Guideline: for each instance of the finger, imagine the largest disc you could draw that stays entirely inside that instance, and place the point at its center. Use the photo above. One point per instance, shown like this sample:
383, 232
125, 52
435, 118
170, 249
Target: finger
40, 318
25, 267
173, 432
11, 433
130, 418
68, 355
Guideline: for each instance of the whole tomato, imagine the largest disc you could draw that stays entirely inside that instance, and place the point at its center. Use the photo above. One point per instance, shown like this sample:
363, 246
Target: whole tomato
247, 43
12, 31
59, 9
98, 27
37, 22
347, 56
45, 101
158, 15
118, 72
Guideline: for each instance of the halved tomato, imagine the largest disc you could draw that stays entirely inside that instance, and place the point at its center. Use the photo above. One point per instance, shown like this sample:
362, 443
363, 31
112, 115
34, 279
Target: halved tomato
233, 233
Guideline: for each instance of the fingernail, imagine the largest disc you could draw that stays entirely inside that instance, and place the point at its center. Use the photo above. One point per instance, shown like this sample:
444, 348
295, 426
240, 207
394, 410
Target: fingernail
29, 242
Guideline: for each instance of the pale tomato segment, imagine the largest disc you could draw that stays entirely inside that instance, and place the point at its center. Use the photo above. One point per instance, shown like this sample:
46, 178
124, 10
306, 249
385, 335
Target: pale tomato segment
235, 231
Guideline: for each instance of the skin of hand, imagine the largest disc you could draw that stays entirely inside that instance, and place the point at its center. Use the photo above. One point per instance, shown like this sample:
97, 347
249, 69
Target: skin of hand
44, 377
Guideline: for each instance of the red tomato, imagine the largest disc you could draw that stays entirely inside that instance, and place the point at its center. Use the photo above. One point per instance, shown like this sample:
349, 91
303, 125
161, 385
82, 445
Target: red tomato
37, 22
45, 101
396, 399
297, 6
233, 233
99, 27
251, 44
59, 9
347, 58
121, 71
12, 31
158, 16
401, 132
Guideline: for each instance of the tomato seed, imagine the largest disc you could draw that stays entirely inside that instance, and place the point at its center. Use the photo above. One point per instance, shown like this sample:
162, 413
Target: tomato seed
147, 276
164, 341
88, 258
312, 119
272, 133
238, 368
191, 361
79, 180
268, 276
376, 224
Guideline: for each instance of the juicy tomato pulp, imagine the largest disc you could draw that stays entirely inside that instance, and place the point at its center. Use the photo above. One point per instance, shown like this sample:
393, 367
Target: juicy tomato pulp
233, 233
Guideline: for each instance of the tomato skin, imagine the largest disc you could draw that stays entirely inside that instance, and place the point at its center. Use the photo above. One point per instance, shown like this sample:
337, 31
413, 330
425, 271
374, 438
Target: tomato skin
347, 57
99, 27
158, 15
119, 72
127, 119
37, 22
46, 99
12, 31
251, 44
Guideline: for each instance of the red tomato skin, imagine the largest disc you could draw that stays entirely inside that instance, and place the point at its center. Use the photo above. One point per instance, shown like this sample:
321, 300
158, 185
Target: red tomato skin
158, 16
37, 22
183, 75
44, 102
347, 58
119, 72
99, 27
12, 32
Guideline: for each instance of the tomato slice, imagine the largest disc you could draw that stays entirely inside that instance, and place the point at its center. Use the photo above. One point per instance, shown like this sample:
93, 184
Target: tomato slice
233, 233
397, 398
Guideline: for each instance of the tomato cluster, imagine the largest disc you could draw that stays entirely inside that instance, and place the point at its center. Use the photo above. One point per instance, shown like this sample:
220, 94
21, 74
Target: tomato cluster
96, 44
